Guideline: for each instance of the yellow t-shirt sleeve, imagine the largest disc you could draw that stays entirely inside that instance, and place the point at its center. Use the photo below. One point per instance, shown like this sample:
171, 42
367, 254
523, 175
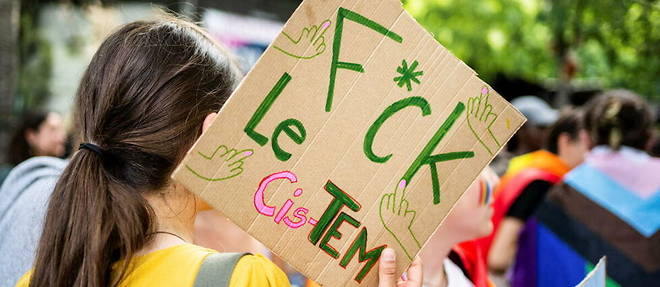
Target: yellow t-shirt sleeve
256, 270
25, 280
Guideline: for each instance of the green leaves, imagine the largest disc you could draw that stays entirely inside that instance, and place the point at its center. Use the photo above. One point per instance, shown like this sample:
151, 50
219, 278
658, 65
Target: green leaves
614, 43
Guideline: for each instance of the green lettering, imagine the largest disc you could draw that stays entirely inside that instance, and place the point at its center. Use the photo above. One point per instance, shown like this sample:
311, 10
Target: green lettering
387, 113
341, 198
334, 232
263, 109
342, 14
360, 243
425, 156
297, 137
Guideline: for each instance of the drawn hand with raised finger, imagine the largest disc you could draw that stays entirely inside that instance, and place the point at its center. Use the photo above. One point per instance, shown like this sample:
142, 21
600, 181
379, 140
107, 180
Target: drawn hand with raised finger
480, 117
226, 163
298, 46
395, 212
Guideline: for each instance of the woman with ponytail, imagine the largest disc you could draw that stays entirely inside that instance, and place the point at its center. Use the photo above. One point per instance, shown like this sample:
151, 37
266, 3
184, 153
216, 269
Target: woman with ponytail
607, 206
115, 218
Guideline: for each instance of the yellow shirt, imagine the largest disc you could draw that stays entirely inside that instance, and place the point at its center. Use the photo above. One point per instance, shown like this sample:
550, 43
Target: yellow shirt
178, 266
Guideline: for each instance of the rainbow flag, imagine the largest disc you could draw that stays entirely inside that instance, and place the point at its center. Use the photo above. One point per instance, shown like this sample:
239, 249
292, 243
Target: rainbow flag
524, 169
608, 206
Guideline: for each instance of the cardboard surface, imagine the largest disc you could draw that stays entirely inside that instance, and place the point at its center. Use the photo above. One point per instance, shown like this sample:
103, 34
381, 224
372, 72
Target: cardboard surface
355, 130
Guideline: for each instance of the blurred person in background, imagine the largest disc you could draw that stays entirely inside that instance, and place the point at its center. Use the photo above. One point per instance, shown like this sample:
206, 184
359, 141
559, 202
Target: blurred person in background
607, 206
531, 136
527, 182
23, 200
540, 116
39, 134
451, 259
34, 152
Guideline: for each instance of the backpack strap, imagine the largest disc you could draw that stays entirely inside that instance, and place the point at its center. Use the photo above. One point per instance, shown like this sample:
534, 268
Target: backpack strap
217, 268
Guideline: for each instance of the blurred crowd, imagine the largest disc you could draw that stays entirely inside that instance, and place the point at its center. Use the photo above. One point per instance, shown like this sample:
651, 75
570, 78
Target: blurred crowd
573, 185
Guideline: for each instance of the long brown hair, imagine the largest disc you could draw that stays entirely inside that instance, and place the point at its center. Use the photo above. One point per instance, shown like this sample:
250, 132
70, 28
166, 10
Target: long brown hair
143, 100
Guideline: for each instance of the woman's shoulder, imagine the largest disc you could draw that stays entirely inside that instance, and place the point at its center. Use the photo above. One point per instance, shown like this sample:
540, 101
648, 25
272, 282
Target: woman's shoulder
178, 254
257, 270
189, 250
173, 266
249, 270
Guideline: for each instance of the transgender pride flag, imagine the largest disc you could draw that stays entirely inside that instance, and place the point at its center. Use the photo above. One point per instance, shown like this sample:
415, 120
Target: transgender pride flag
608, 206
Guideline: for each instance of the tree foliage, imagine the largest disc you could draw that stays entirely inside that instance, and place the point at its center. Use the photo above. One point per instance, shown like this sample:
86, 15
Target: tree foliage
602, 43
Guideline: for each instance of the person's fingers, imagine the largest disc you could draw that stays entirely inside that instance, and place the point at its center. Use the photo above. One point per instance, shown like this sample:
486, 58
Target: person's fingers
387, 268
415, 277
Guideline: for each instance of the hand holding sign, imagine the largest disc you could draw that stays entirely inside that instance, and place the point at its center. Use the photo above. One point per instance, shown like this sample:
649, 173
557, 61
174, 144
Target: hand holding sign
298, 46
396, 205
480, 116
229, 163
387, 276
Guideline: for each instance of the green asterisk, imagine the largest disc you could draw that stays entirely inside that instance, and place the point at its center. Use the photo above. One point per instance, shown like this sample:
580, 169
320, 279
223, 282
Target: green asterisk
407, 74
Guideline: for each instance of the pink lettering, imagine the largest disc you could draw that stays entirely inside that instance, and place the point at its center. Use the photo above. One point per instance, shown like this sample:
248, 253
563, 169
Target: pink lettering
299, 214
283, 210
259, 201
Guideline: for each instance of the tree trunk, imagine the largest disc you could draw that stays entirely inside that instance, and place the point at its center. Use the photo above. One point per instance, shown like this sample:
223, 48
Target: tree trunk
9, 22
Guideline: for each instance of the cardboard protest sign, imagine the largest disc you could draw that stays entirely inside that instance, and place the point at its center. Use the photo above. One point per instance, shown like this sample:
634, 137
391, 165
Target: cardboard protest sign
355, 131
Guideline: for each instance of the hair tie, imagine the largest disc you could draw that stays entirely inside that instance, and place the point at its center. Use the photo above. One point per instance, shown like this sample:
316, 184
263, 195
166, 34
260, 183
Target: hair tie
92, 147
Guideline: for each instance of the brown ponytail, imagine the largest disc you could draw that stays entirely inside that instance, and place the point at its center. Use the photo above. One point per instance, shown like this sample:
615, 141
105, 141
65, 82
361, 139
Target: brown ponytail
619, 118
142, 100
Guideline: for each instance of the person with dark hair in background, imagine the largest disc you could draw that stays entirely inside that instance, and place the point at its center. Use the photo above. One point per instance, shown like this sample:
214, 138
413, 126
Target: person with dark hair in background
607, 206
34, 151
540, 117
526, 183
531, 136
39, 134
